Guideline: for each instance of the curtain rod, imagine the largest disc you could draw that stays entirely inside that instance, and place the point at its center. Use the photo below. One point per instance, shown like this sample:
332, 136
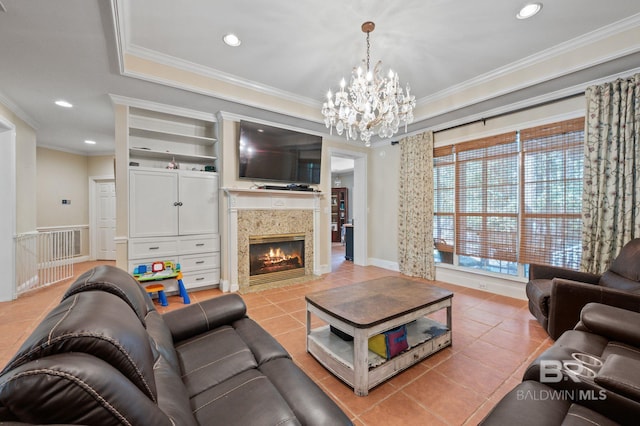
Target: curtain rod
483, 120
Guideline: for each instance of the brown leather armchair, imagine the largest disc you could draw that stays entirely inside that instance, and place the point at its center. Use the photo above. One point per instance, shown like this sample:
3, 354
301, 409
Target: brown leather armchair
557, 295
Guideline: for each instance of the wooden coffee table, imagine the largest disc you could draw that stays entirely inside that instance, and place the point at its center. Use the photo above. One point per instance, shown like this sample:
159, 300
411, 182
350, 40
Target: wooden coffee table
368, 308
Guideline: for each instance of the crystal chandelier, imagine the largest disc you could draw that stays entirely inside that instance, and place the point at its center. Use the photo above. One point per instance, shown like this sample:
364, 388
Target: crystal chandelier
371, 105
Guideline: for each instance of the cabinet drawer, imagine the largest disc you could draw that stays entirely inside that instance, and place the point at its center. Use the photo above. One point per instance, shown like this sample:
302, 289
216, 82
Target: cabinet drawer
197, 262
199, 244
201, 278
143, 248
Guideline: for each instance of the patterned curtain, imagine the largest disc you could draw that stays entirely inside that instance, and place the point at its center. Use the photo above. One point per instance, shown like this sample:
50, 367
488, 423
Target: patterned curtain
415, 210
611, 195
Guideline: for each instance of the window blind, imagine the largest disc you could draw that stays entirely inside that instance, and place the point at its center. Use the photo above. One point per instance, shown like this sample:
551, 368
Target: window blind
552, 170
487, 197
443, 198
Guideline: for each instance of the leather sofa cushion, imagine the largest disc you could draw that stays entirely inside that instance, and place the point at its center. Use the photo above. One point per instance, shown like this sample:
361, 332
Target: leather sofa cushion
627, 263
263, 345
161, 339
172, 395
620, 375
75, 388
618, 348
80, 323
309, 403
611, 322
117, 282
203, 316
213, 357
244, 399
538, 292
611, 279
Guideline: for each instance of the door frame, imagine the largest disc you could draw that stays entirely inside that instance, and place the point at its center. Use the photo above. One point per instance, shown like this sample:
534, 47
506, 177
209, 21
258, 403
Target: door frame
359, 208
8, 209
93, 208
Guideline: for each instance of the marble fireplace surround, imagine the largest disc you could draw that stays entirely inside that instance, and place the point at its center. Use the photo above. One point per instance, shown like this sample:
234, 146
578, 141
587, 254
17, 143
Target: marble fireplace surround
264, 212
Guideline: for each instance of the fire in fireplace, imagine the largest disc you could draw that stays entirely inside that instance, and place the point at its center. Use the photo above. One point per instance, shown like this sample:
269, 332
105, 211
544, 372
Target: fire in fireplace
275, 257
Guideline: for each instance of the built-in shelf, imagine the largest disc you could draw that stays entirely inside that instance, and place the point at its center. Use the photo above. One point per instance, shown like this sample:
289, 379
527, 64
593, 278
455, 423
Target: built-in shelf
159, 139
170, 136
161, 155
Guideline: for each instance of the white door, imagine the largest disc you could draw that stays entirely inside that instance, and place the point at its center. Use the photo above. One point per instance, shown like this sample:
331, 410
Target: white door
106, 220
153, 203
198, 203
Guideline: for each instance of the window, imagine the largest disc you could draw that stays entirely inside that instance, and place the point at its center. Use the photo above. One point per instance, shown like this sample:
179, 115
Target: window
487, 203
511, 199
443, 209
553, 161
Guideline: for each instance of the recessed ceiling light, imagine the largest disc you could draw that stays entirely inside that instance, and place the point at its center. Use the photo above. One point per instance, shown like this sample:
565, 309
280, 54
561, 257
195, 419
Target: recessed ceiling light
90, 142
529, 10
64, 103
231, 40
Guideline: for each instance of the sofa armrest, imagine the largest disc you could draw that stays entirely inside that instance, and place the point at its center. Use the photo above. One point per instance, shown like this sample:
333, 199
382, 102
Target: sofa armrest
620, 375
569, 297
546, 272
203, 316
611, 322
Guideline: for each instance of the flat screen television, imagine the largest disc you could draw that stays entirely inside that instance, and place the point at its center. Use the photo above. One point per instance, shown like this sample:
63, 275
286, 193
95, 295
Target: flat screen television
267, 153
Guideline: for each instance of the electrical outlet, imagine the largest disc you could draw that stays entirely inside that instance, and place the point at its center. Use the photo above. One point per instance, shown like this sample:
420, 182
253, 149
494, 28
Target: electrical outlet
482, 286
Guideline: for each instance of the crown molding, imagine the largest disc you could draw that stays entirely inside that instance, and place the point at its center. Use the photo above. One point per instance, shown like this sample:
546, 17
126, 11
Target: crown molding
119, 29
19, 112
538, 58
159, 107
214, 74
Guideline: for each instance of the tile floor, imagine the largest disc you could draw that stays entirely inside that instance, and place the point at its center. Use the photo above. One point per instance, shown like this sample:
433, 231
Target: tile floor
494, 339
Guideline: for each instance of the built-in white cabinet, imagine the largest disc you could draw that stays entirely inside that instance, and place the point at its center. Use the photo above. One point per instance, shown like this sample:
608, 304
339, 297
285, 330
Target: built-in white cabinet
173, 193
172, 203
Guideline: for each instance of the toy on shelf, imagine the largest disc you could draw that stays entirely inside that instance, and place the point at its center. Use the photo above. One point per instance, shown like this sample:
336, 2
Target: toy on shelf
158, 271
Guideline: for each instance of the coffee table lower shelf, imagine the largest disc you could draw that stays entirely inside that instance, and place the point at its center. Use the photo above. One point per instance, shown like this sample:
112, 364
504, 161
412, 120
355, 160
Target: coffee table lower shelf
424, 335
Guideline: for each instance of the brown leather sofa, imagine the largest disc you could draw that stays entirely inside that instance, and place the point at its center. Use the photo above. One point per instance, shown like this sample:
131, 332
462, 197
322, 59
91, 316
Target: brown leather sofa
105, 356
590, 375
557, 295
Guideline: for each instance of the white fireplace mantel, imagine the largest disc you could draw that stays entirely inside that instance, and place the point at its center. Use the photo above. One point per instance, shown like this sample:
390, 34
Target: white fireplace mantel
264, 199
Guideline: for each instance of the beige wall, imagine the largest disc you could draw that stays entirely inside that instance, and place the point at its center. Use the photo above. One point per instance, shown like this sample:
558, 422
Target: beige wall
383, 183
100, 165
25, 172
62, 175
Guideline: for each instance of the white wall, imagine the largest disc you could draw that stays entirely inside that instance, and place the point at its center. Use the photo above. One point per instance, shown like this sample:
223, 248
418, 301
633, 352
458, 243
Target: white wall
18, 191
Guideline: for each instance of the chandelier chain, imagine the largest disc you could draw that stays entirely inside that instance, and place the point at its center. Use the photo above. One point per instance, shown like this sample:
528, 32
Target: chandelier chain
368, 51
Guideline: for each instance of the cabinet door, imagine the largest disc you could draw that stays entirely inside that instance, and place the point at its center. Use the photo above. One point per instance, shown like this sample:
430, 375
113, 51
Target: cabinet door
199, 203
152, 196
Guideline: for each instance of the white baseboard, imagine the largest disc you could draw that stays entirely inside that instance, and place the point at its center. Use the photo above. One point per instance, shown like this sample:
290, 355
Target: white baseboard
385, 264
323, 269
496, 285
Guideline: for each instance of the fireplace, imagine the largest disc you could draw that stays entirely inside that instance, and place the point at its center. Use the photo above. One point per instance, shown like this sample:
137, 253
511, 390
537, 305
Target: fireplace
276, 257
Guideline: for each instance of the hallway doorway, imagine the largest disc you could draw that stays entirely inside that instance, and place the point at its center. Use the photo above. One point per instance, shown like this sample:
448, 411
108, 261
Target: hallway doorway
349, 181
